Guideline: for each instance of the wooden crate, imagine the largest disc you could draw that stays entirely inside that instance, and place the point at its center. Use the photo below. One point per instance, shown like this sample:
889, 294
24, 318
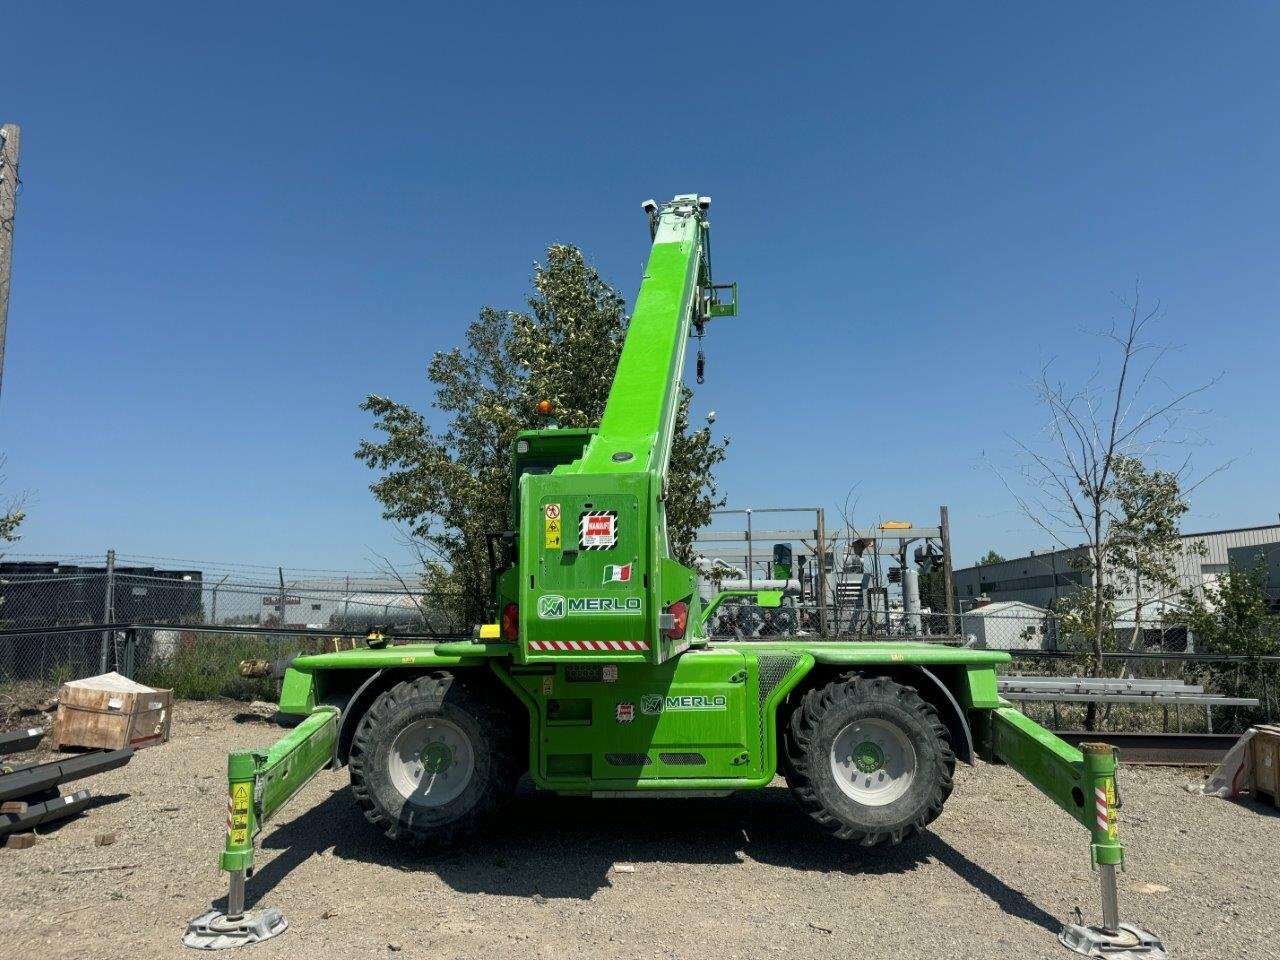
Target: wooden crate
111, 711
1264, 759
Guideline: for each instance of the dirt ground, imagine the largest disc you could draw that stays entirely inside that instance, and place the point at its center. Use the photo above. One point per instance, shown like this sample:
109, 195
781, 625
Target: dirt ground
737, 878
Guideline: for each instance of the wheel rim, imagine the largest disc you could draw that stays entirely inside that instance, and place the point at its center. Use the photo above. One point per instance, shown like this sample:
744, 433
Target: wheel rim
873, 762
431, 761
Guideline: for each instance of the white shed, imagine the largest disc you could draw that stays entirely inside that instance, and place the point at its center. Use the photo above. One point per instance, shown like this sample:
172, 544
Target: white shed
1006, 625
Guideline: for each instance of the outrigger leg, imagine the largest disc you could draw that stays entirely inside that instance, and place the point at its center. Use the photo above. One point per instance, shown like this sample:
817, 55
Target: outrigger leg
1083, 783
259, 783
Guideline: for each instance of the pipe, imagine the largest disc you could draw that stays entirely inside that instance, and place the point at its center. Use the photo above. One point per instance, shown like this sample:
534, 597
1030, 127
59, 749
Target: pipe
911, 599
791, 586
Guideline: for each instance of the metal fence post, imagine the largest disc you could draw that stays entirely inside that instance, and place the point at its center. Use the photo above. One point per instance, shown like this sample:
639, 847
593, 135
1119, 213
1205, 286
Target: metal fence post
129, 664
108, 611
213, 613
820, 573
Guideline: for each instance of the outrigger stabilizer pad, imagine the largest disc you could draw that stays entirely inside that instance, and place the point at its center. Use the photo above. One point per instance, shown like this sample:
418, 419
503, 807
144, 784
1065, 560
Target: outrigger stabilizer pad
1127, 942
216, 931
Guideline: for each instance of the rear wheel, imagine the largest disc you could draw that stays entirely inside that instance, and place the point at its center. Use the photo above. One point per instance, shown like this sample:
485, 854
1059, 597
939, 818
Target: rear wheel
433, 758
868, 760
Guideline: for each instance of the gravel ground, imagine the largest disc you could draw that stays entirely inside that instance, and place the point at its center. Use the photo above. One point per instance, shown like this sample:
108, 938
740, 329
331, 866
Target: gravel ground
735, 878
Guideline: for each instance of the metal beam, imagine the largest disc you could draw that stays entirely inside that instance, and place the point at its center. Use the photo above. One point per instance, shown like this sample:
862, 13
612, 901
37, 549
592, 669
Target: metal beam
1065, 684
38, 813
1161, 748
1198, 699
15, 741
32, 779
738, 547
739, 536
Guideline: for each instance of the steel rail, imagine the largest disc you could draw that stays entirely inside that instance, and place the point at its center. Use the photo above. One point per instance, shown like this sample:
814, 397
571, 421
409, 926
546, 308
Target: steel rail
16, 741
1160, 749
25, 779
37, 813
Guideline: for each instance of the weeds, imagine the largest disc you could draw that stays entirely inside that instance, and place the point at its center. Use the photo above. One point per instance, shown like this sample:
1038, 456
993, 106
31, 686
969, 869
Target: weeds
207, 666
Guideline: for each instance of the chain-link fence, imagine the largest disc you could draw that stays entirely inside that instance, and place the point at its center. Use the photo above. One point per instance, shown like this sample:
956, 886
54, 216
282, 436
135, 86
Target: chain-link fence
1009, 627
48, 615
1041, 644
177, 628
78, 595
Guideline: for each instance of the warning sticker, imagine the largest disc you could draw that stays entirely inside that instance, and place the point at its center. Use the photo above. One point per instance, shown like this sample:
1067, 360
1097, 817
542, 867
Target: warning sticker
598, 530
1111, 810
240, 798
239, 837
551, 521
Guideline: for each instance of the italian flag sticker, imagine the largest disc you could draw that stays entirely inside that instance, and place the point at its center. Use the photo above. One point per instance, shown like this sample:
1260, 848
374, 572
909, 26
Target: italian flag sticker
613, 573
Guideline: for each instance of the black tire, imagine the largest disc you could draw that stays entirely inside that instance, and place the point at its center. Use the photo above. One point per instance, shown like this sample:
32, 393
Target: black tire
495, 741
811, 732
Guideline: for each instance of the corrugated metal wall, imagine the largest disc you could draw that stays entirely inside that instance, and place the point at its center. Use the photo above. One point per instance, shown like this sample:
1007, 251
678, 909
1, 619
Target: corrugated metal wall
1032, 578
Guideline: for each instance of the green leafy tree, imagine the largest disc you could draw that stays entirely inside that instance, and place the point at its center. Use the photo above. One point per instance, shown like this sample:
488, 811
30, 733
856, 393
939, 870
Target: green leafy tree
1077, 614
990, 558
11, 515
449, 483
1139, 546
1229, 616
1144, 543
9, 523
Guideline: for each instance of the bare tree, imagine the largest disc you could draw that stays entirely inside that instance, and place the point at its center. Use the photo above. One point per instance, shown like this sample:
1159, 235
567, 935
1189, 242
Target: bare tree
840, 549
1121, 415
428, 560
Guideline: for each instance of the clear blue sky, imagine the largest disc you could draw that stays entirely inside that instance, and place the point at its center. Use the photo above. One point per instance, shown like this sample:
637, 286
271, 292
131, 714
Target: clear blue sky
238, 220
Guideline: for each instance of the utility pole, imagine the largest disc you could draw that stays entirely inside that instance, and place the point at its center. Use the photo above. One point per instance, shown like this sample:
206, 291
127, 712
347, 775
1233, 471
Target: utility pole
820, 574
944, 518
9, 137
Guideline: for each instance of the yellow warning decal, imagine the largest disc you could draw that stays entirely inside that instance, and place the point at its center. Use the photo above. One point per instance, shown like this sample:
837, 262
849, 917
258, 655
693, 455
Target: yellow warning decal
551, 521
1111, 810
239, 837
240, 794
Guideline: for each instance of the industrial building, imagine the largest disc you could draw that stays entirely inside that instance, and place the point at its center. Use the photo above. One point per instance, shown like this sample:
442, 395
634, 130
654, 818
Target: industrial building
1041, 578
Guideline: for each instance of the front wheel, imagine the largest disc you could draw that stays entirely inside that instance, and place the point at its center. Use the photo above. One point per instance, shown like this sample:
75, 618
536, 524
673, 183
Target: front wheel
868, 760
433, 758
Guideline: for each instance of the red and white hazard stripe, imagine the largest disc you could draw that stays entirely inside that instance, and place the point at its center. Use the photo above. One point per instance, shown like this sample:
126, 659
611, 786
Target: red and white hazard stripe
623, 645
1104, 813
228, 814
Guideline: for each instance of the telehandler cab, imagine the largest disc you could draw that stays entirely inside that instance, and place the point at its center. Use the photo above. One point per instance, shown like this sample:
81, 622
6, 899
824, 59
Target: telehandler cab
597, 676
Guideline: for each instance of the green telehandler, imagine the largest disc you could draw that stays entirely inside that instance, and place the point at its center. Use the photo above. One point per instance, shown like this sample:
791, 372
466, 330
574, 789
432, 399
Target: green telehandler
597, 676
